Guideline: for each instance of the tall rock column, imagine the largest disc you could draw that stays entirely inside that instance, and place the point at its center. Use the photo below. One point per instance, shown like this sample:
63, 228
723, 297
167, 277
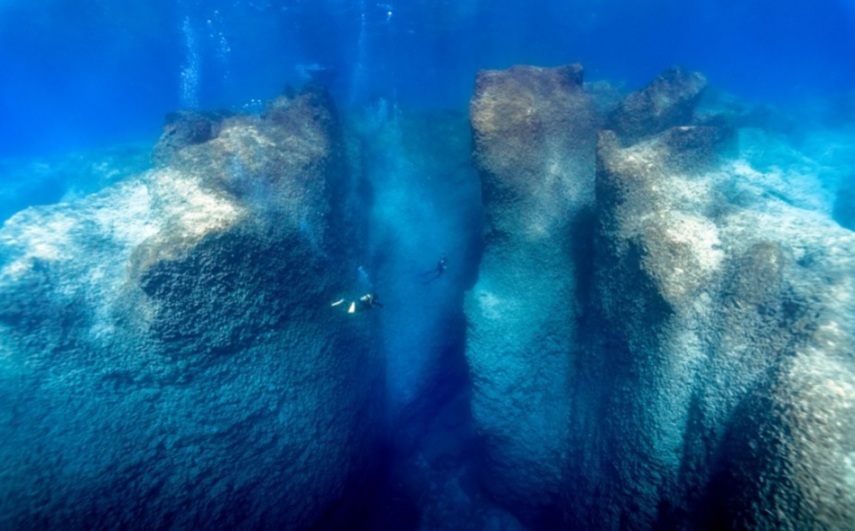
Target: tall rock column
534, 135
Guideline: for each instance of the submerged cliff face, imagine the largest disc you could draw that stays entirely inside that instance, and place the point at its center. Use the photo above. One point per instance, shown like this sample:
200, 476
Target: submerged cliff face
709, 378
725, 314
534, 133
736, 347
170, 354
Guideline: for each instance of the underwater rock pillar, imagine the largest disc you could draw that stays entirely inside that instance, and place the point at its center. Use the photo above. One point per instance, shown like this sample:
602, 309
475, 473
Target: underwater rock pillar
534, 133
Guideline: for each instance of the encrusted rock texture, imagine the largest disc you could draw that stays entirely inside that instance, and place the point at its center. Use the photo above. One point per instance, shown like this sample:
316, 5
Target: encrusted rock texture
668, 101
170, 359
534, 135
705, 377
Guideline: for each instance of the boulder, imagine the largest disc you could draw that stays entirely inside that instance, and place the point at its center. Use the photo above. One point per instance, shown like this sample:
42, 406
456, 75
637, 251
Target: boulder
668, 101
534, 132
170, 356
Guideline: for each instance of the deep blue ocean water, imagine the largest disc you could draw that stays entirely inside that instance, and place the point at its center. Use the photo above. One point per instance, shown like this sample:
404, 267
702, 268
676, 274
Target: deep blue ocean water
85, 86
82, 74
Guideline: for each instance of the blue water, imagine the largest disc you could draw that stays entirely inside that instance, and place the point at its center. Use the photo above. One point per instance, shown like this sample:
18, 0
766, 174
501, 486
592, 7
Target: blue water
84, 89
93, 73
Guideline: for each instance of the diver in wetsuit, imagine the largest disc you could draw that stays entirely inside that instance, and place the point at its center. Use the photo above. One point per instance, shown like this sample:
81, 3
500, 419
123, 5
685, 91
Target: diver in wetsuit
437, 272
366, 302
441, 264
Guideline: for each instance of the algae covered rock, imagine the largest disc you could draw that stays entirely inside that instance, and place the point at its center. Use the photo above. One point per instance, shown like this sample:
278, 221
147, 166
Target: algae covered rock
668, 101
722, 323
533, 135
534, 132
681, 358
170, 355
185, 128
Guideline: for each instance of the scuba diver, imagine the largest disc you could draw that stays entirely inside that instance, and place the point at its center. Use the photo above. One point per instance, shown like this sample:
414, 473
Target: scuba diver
366, 302
441, 265
437, 272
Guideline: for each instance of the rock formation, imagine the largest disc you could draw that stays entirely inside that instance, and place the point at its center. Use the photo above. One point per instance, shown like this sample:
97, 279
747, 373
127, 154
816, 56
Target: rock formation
668, 101
707, 379
534, 132
727, 371
185, 128
170, 356
660, 334
713, 310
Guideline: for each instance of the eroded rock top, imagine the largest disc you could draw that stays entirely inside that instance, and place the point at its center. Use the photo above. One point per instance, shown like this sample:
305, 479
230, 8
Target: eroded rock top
534, 134
262, 177
668, 101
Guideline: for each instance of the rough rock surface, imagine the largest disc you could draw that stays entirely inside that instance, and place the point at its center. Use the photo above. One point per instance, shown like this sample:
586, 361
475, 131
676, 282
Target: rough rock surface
169, 355
707, 379
727, 370
668, 101
534, 134
185, 128
721, 298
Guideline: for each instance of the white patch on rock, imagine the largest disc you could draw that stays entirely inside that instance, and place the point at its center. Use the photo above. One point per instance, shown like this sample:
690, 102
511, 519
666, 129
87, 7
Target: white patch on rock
47, 241
114, 222
196, 211
489, 304
701, 235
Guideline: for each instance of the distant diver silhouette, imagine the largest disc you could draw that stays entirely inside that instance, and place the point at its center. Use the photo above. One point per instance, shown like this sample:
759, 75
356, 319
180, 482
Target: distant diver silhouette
435, 273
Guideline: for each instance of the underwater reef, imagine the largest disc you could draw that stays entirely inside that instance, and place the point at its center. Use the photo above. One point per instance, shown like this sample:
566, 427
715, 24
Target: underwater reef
640, 326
